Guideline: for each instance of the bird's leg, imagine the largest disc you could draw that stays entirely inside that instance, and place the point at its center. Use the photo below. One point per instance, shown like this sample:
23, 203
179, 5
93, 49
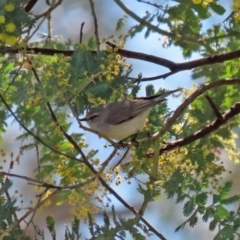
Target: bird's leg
122, 145
133, 140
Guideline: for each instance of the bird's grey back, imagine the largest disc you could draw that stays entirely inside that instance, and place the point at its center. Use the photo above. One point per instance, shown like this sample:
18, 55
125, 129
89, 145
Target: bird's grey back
123, 110
126, 109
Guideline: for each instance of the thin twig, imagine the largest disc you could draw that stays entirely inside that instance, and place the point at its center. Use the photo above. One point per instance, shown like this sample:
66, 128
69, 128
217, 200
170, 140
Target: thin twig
158, 30
50, 25
34, 212
38, 158
28, 179
142, 210
174, 67
9, 199
145, 57
30, 5
49, 10
124, 155
95, 25
214, 107
34, 135
81, 32
11, 82
13, 225
190, 99
213, 126
36, 28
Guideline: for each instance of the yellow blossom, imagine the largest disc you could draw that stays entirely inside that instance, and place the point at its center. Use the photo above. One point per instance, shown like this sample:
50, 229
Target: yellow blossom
196, 1
237, 17
11, 40
205, 4
10, 27
235, 5
9, 7
236, 161
2, 36
2, 19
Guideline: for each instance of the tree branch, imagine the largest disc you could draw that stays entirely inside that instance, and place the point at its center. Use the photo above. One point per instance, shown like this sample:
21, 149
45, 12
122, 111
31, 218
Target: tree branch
174, 67
156, 29
145, 57
214, 107
95, 25
59, 2
81, 32
190, 99
32, 134
30, 5
230, 113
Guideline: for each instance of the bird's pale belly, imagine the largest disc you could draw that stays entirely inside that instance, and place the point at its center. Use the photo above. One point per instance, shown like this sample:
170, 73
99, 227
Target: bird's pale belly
127, 128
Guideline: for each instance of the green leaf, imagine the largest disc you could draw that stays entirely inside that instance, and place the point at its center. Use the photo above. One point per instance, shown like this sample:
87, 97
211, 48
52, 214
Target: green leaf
50, 223
150, 91
236, 223
230, 200
193, 221
6, 184
91, 225
172, 186
221, 212
188, 208
208, 214
201, 198
63, 197
91, 43
210, 157
217, 8
121, 23
213, 225
180, 227
226, 233
225, 190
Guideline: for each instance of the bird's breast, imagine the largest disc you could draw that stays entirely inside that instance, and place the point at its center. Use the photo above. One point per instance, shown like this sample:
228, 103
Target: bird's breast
127, 128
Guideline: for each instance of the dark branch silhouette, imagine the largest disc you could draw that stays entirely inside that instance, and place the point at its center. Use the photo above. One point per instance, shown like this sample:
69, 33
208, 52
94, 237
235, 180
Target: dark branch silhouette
174, 67
227, 115
30, 5
214, 107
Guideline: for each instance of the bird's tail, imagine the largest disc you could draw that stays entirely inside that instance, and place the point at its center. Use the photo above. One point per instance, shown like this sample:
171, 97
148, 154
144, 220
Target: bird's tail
161, 96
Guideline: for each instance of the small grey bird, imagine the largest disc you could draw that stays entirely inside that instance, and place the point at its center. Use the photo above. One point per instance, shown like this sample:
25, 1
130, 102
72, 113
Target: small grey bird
123, 118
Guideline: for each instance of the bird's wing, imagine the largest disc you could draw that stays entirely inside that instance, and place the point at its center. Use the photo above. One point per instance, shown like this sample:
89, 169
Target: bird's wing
125, 110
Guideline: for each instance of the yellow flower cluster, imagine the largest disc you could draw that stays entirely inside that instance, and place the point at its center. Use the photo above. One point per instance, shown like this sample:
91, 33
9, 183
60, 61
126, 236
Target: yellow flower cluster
230, 147
8, 30
2, 19
237, 17
204, 3
82, 205
114, 64
10, 7
236, 5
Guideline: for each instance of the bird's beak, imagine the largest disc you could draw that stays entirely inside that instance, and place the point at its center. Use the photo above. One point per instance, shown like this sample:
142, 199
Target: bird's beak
83, 119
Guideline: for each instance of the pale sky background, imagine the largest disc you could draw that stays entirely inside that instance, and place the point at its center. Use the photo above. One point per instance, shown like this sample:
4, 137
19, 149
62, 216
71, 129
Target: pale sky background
164, 215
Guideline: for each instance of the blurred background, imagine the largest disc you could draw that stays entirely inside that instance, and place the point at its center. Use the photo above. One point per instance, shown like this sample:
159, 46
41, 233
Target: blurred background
163, 214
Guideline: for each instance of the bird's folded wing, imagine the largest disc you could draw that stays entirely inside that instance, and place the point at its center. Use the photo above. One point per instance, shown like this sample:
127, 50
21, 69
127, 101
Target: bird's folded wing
125, 110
